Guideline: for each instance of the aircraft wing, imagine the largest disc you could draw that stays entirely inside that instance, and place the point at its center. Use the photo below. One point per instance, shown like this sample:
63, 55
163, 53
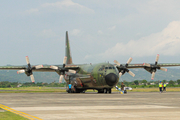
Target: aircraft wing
159, 65
45, 68
12, 67
152, 68
135, 66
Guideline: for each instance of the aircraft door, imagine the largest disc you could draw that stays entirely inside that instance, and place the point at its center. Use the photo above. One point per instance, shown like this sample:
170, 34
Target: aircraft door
101, 74
100, 77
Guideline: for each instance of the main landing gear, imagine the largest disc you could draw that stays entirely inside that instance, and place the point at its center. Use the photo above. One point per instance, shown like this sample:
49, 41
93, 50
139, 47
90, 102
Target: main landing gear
105, 90
75, 90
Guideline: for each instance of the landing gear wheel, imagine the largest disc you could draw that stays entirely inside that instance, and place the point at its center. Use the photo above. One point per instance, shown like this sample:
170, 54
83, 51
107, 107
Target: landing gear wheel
69, 91
125, 91
101, 91
105, 90
109, 90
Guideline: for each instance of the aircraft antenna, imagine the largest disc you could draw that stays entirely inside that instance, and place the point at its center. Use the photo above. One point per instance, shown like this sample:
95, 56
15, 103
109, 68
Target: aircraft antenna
81, 50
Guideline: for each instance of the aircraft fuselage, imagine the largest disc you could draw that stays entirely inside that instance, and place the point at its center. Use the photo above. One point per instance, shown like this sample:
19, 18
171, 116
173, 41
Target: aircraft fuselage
94, 76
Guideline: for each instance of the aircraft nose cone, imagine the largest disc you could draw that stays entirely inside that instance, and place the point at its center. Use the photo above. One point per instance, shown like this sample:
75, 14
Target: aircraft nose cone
111, 79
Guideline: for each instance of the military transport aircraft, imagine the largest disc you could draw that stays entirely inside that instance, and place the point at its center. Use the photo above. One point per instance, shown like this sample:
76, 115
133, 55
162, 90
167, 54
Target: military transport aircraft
102, 77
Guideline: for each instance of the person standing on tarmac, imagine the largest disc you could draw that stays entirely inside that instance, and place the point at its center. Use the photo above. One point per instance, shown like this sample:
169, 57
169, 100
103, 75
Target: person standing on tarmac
122, 87
164, 87
160, 87
69, 85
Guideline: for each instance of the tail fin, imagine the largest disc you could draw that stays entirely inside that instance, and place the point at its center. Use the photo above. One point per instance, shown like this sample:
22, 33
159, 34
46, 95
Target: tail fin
68, 51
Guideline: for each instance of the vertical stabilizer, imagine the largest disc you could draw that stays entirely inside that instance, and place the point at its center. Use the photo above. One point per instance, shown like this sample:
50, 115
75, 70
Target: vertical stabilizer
68, 51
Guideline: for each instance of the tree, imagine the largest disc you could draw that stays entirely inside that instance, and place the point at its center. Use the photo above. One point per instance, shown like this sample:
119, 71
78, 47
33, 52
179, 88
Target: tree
136, 82
125, 82
178, 81
144, 81
171, 82
164, 81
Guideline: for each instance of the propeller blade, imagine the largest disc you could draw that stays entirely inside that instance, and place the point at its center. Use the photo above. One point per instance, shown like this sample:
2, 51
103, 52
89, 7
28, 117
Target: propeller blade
153, 74
32, 78
39, 66
163, 69
131, 73
117, 63
72, 71
61, 78
157, 58
65, 59
120, 74
54, 67
20, 71
129, 61
147, 64
27, 60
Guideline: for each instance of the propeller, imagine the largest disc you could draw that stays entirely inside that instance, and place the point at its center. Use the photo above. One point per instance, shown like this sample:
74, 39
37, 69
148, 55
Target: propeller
153, 67
122, 69
61, 70
29, 69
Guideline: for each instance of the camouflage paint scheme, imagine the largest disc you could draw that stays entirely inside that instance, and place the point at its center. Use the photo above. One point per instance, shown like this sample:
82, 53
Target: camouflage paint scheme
102, 77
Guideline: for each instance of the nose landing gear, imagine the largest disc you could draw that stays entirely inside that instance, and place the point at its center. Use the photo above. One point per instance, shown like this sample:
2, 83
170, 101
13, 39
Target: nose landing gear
105, 90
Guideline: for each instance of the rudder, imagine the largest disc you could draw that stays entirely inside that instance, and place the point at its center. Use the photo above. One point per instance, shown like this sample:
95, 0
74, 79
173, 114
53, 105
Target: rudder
68, 51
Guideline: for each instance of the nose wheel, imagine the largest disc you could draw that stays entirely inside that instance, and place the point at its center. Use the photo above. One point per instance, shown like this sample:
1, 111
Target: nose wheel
105, 90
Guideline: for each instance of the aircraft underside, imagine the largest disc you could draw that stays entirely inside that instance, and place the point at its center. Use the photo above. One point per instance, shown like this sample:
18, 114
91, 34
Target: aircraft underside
76, 90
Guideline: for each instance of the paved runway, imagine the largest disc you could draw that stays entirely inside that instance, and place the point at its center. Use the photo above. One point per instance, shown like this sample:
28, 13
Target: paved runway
90, 106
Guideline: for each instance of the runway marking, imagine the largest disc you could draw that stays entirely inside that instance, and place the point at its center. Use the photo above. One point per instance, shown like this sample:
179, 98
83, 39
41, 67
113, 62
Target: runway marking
91, 107
19, 113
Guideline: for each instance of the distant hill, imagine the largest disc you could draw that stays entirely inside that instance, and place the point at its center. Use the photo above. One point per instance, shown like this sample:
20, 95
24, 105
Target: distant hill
171, 74
48, 77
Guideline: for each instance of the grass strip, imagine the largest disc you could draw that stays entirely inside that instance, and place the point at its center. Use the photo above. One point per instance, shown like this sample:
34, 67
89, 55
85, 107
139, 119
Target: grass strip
10, 116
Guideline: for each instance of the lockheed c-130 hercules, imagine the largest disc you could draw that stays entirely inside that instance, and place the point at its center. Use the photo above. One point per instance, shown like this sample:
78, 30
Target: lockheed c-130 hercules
102, 77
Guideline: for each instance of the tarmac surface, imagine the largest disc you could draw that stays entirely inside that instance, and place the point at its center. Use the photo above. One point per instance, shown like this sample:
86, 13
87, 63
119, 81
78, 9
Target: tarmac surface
92, 106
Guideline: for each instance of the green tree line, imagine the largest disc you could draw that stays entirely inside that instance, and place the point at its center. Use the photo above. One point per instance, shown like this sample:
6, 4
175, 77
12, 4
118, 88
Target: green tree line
7, 84
150, 84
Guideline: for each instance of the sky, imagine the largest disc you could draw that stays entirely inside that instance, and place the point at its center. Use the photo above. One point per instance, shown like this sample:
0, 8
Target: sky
99, 31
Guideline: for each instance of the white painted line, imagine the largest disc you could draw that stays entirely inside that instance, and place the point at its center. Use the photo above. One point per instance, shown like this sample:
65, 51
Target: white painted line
91, 107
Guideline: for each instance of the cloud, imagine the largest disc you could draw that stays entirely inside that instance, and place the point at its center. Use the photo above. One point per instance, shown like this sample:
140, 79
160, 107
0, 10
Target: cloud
112, 28
100, 32
68, 5
47, 33
166, 42
76, 32
33, 10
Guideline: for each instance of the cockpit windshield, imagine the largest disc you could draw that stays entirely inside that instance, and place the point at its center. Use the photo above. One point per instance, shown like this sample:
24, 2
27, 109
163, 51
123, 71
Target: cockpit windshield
106, 68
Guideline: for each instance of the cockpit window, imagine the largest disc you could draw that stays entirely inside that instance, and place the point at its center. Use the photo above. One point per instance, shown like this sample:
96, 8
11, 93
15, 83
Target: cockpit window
101, 69
106, 68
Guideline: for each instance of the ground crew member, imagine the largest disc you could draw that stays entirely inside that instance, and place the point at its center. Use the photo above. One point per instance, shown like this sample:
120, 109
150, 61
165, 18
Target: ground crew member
69, 85
122, 87
164, 87
160, 87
